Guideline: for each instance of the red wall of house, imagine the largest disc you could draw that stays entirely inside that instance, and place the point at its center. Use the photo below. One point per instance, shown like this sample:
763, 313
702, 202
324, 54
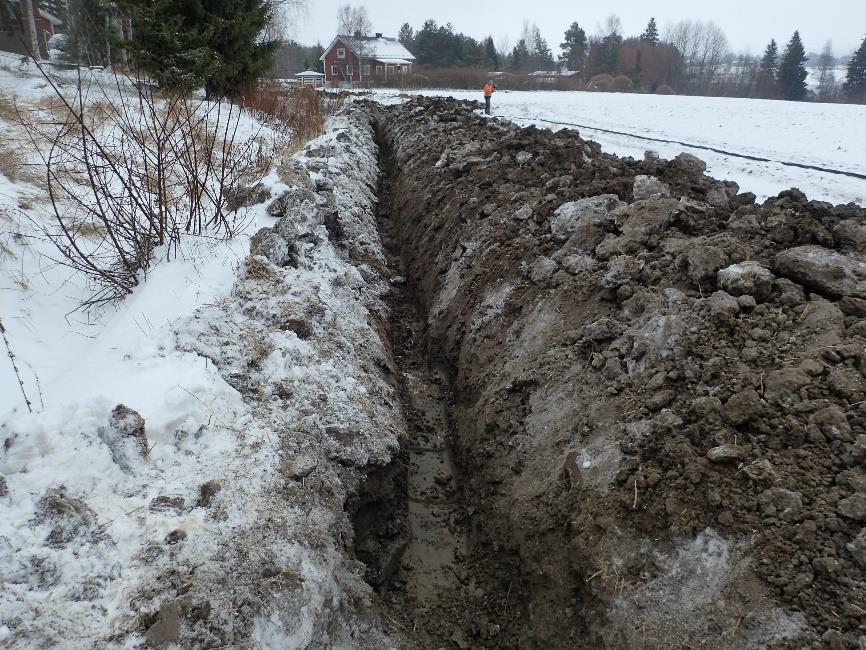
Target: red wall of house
331, 59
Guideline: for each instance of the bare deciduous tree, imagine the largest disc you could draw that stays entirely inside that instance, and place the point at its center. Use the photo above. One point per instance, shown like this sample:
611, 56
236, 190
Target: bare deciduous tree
284, 16
352, 20
828, 87
612, 26
704, 48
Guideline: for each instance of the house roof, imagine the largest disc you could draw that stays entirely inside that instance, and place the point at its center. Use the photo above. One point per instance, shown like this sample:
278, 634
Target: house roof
554, 73
51, 18
309, 73
380, 48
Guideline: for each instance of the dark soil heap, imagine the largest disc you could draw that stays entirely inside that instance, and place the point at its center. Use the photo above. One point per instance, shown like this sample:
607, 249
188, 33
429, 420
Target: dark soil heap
657, 396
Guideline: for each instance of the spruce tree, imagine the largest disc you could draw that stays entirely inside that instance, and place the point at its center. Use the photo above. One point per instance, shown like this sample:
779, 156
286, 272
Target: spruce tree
767, 70
606, 59
651, 33
573, 48
406, 36
520, 56
855, 79
637, 71
318, 51
792, 72
491, 56
543, 56
215, 43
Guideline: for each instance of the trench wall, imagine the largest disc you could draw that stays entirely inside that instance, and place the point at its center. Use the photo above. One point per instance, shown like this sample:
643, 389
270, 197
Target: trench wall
644, 451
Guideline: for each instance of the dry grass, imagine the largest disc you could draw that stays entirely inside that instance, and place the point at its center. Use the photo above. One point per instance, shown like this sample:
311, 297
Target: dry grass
6, 251
16, 162
8, 110
259, 348
303, 110
261, 271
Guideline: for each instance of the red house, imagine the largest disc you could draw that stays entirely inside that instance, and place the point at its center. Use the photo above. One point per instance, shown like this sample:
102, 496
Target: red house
352, 60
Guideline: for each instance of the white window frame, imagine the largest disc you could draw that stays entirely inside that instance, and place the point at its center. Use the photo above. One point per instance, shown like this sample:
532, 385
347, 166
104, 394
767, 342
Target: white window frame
334, 71
378, 69
341, 52
366, 69
348, 71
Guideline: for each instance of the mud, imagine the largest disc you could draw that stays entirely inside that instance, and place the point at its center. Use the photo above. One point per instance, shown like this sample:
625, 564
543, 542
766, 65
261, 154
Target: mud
646, 452
411, 518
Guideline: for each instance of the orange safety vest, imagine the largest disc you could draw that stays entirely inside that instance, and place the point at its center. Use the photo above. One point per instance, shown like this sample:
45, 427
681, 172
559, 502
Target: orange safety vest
488, 90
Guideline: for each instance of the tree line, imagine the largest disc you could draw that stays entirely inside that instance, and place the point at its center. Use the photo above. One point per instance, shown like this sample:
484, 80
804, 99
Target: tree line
691, 57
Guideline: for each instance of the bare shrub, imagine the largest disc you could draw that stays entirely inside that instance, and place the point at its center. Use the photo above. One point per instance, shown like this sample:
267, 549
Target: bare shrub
442, 78
664, 89
621, 83
130, 171
601, 82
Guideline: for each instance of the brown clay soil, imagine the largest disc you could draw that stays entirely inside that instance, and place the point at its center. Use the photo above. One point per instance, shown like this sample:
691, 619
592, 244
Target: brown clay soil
620, 434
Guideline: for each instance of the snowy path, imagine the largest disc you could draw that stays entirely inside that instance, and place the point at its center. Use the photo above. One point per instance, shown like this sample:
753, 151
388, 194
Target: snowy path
831, 136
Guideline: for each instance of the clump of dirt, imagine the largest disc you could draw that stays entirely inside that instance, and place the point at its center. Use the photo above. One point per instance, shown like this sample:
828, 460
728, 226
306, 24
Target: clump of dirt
657, 406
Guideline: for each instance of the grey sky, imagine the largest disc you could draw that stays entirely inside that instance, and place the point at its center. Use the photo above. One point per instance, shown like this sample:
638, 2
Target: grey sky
748, 24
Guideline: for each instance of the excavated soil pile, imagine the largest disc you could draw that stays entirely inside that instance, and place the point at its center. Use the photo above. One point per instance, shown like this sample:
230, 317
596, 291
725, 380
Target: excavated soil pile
655, 388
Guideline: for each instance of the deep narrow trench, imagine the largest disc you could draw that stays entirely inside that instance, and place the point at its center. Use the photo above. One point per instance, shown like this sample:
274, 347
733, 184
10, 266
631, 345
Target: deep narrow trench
412, 528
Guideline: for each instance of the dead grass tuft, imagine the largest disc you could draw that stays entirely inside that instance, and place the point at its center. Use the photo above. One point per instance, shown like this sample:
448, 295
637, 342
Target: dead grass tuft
259, 270
303, 110
259, 347
15, 165
8, 110
6, 251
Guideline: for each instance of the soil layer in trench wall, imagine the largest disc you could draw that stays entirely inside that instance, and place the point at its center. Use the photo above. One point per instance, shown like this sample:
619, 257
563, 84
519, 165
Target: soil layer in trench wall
411, 520
656, 387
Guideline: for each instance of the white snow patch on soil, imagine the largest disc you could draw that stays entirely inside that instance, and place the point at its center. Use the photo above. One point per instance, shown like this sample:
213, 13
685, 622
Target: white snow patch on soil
92, 551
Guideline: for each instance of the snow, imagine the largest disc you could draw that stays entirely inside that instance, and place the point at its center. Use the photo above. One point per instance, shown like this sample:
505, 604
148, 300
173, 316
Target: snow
380, 48
227, 394
831, 136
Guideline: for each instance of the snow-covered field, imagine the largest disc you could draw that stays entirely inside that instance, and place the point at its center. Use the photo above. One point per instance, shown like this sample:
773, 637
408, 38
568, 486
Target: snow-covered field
831, 136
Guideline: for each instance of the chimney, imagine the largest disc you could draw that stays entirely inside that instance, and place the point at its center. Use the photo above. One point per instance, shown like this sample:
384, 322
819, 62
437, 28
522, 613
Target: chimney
378, 34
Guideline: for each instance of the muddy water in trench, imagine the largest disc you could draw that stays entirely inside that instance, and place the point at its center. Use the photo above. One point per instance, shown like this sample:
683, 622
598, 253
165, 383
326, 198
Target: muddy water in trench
437, 545
437, 596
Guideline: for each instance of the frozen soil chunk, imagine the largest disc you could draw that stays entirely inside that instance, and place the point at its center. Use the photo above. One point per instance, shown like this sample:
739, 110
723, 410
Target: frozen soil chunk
828, 272
746, 278
585, 219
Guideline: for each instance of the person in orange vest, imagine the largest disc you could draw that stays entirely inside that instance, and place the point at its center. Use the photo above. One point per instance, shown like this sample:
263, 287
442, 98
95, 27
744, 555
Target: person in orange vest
489, 87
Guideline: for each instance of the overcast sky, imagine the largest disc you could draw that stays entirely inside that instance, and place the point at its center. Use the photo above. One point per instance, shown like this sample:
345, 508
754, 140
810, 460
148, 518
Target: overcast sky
748, 24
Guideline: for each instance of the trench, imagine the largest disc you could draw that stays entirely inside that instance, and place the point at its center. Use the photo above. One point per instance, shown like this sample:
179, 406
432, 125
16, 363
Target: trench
412, 518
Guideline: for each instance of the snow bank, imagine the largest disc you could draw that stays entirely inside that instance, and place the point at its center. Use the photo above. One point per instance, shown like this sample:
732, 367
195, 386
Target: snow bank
263, 400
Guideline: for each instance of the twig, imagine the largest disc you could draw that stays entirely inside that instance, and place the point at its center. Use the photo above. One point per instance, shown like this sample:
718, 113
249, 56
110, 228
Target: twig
38, 385
507, 594
14, 366
125, 514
